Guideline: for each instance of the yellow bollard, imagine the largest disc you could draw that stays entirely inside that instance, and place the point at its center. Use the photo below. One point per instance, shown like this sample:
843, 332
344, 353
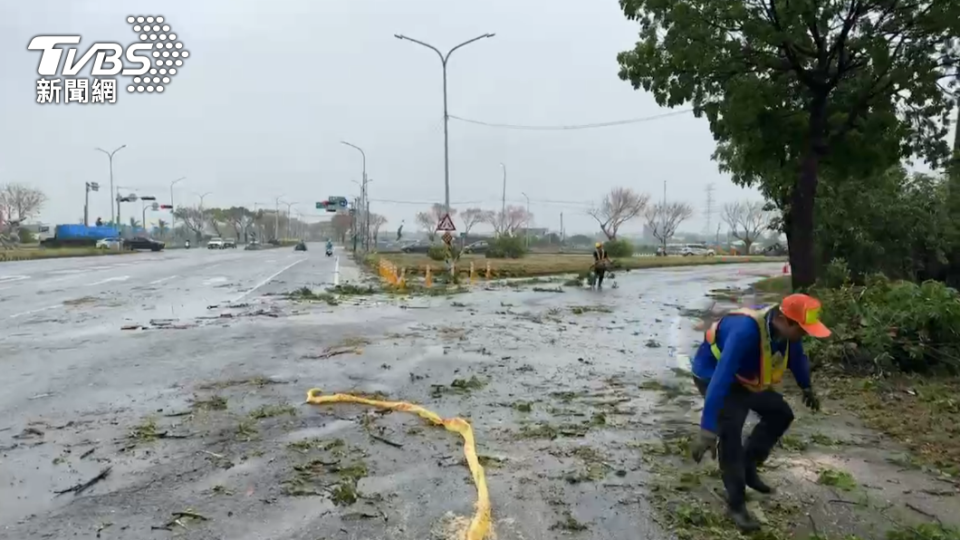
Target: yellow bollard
428, 280
489, 271
473, 273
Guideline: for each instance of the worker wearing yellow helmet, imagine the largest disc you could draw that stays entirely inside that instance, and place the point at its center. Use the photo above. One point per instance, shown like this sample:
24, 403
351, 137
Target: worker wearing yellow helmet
600, 262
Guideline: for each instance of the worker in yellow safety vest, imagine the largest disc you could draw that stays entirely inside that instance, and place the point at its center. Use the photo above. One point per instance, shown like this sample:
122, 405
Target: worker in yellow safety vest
600, 263
743, 356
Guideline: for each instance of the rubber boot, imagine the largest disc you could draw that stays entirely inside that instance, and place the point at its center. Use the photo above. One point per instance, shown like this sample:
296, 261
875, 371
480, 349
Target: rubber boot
753, 480
742, 519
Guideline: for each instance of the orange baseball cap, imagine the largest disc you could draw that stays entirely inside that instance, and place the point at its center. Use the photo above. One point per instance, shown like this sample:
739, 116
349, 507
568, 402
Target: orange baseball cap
805, 311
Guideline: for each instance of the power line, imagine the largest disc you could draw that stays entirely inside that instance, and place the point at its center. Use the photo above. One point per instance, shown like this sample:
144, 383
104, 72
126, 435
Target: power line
487, 201
573, 126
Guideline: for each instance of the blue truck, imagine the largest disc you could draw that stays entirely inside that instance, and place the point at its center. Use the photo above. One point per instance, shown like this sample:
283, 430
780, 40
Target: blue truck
79, 236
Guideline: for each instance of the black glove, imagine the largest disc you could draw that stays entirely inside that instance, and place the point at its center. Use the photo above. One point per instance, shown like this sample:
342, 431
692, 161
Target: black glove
811, 400
705, 442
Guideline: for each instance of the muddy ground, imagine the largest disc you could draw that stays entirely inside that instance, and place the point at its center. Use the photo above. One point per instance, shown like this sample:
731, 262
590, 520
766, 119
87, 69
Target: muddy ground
199, 431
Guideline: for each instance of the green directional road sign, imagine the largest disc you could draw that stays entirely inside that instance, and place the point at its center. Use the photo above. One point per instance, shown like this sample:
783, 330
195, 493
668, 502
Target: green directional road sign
321, 205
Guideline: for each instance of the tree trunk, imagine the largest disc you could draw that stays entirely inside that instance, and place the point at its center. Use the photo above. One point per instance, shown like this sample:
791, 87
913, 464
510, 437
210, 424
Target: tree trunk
747, 244
802, 198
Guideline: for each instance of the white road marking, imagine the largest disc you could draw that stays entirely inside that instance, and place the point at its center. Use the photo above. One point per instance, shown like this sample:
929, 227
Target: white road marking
211, 281
31, 312
268, 280
162, 280
109, 280
10, 279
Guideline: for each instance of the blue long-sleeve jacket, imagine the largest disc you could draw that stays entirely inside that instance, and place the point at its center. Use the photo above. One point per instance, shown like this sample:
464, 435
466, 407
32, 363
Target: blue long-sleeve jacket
739, 340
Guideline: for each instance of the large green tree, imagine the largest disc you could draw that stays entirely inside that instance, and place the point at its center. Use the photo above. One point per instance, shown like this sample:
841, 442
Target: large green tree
793, 87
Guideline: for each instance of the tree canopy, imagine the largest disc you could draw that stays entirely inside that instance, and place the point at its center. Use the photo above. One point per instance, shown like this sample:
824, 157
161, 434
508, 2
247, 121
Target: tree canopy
791, 88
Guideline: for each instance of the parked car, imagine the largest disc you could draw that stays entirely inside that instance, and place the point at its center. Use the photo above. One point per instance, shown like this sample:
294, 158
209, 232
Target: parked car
252, 246
229, 244
109, 243
690, 250
142, 243
415, 248
215, 243
477, 247
774, 250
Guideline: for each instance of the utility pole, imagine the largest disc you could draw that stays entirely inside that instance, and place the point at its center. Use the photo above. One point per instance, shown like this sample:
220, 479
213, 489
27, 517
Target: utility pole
526, 227
364, 207
503, 202
113, 217
289, 205
563, 236
708, 226
446, 116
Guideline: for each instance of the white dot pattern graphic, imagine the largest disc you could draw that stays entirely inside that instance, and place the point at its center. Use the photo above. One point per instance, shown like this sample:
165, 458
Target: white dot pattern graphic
150, 29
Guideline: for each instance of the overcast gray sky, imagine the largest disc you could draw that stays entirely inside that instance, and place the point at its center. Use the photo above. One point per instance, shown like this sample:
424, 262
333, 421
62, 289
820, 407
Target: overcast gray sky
270, 89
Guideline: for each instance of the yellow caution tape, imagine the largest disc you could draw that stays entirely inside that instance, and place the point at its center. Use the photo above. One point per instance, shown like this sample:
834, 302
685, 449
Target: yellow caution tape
480, 525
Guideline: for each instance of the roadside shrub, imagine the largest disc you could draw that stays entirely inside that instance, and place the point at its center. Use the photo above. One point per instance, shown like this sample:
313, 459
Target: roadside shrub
27, 236
438, 252
506, 247
886, 325
619, 248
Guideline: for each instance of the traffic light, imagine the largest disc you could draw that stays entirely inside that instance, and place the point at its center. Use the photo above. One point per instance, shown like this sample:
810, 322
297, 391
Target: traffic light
166, 207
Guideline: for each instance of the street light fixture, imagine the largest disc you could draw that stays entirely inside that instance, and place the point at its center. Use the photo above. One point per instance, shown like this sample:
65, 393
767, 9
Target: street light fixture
173, 208
444, 59
276, 218
113, 217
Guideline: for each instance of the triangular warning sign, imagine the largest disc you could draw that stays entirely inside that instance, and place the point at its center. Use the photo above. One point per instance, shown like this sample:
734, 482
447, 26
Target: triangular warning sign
446, 224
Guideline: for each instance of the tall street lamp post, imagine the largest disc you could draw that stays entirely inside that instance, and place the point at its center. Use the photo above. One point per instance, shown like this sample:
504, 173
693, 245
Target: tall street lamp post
444, 59
113, 217
173, 208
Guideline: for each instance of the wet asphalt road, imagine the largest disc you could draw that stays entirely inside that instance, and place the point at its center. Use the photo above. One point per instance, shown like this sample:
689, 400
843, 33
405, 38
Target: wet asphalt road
76, 387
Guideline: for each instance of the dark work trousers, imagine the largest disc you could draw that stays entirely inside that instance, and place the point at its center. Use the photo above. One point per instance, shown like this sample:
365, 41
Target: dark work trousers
775, 418
600, 273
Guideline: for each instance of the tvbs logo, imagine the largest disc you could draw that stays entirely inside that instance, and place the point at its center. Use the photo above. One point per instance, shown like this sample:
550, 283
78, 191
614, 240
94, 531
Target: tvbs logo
151, 62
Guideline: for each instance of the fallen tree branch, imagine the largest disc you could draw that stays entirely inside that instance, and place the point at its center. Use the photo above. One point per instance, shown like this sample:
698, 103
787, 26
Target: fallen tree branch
80, 488
385, 441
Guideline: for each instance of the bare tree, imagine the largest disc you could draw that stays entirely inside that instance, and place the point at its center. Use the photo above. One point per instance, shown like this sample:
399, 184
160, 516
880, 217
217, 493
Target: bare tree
341, 226
193, 218
427, 224
747, 221
618, 207
664, 219
506, 223
376, 221
19, 202
472, 217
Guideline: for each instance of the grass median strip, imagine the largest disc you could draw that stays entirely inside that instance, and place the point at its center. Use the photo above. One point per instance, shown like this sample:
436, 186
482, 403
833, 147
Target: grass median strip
57, 253
545, 264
